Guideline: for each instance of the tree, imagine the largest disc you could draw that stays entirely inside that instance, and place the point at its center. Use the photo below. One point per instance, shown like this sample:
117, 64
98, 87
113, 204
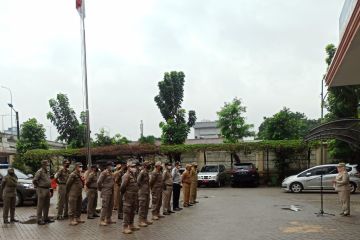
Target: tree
32, 137
102, 139
147, 140
285, 125
232, 122
175, 129
64, 119
342, 102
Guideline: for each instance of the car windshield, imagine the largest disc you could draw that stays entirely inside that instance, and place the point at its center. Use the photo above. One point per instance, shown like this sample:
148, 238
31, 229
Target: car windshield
18, 173
243, 166
209, 169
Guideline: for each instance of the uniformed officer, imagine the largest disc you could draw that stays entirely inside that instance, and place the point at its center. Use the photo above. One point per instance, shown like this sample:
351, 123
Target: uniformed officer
168, 188
186, 181
129, 188
144, 195
42, 183
74, 186
8, 188
156, 185
92, 192
118, 180
106, 186
194, 183
116, 187
61, 178
343, 188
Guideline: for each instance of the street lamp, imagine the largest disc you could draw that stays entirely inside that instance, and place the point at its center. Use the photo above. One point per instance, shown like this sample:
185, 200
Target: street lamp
17, 120
11, 102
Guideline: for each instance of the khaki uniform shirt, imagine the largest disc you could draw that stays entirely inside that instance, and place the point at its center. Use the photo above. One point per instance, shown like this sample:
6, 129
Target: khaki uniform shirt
185, 177
342, 181
62, 176
129, 183
42, 179
167, 178
8, 186
106, 182
74, 184
156, 180
91, 180
143, 181
193, 175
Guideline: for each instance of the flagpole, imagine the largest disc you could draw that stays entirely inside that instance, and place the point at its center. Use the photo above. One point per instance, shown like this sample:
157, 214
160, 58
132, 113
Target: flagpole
88, 151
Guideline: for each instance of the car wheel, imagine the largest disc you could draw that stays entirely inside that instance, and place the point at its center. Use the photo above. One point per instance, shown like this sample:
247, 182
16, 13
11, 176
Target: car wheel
352, 187
19, 200
296, 187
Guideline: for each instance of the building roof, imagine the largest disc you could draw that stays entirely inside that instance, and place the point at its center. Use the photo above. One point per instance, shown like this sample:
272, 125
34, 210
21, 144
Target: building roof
208, 124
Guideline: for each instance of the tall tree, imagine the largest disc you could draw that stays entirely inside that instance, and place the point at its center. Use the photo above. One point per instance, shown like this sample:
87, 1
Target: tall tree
232, 122
64, 119
175, 129
285, 125
342, 102
147, 140
32, 137
103, 139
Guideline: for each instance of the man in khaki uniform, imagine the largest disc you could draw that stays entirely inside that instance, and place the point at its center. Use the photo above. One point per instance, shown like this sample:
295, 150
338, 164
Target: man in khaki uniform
106, 186
156, 185
42, 183
129, 188
74, 186
168, 188
343, 188
194, 183
118, 179
186, 181
8, 188
144, 195
92, 192
116, 187
61, 178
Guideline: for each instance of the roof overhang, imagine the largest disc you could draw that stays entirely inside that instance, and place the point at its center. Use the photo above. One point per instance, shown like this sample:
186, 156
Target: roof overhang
344, 69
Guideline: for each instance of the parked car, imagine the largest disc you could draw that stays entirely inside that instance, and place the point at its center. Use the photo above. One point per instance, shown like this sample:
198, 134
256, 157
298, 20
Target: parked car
210, 175
244, 173
310, 179
25, 188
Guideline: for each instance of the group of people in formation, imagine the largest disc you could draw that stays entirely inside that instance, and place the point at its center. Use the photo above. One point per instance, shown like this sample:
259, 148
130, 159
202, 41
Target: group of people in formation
128, 189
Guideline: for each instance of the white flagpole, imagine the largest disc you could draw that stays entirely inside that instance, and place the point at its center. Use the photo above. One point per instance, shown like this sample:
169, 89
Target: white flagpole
82, 17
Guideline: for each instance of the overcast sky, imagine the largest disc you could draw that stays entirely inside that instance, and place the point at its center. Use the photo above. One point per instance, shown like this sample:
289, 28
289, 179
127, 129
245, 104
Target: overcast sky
269, 53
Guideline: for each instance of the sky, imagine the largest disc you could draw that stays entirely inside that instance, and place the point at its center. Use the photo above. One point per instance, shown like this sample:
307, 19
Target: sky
269, 53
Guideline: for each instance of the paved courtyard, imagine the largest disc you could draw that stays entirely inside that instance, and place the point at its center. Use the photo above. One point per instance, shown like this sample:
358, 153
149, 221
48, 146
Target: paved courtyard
224, 213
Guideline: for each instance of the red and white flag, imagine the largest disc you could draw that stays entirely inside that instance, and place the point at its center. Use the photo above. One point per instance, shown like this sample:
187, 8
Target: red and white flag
80, 7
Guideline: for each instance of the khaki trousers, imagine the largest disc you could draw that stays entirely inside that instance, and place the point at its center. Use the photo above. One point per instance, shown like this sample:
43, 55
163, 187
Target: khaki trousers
63, 201
167, 198
107, 206
129, 208
186, 193
43, 203
193, 192
92, 196
75, 206
120, 206
9, 206
116, 196
144, 201
156, 201
344, 198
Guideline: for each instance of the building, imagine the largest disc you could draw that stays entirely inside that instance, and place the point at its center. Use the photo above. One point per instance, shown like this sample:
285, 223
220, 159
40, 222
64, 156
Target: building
206, 129
344, 69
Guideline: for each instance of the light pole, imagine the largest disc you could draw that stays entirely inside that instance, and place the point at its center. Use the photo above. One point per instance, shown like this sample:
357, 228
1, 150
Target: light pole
17, 121
11, 102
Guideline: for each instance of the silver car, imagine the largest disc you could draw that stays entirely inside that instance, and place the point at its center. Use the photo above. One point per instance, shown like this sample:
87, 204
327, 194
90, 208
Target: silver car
310, 179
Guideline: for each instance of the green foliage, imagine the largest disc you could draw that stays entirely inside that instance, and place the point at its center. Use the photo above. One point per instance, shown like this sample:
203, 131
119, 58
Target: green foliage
171, 93
147, 140
64, 119
330, 51
286, 125
32, 137
232, 122
102, 139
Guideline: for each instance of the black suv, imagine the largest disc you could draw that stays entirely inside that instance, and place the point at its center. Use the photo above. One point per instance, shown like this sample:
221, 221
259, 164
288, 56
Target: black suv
244, 174
25, 188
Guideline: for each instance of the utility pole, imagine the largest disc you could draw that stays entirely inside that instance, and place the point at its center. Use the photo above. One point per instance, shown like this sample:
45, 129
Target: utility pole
141, 129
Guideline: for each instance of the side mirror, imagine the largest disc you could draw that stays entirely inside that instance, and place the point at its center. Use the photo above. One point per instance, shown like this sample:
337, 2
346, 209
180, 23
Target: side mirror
30, 176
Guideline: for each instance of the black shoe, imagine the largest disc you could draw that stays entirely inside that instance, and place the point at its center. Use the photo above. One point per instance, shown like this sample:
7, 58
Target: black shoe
177, 209
66, 217
190, 205
96, 216
120, 217
196, 202
171, 212
59, 218
6, 222
14, 220
166, 213
41, 223
90, 217
49, 221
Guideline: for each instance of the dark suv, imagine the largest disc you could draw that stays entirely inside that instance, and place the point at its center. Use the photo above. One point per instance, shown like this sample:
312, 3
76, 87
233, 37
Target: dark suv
25, 188
244, 174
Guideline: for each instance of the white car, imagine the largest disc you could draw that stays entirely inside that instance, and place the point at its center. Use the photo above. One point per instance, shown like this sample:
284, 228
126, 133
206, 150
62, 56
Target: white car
310, 179
210, 175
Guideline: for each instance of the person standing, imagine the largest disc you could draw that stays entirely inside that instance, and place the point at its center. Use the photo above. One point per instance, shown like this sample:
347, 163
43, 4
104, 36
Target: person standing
186, 181
194, 183
61, 178
106, 186
156, 186
168, 188
8, 192
116, 187
144, 195
176, 176
42, 183
74, 186
342, 186
118, 180
92, 192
